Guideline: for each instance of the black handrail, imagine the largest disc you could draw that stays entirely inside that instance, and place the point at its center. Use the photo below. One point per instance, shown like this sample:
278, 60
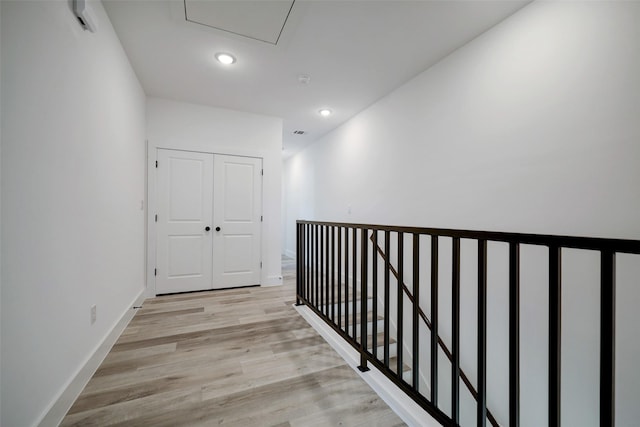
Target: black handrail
315, 275
573, 242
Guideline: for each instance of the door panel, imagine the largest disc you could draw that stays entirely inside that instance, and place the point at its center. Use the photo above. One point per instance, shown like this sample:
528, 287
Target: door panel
238, 254
238, 192
184, 248
185, 189
237, 209
185, 256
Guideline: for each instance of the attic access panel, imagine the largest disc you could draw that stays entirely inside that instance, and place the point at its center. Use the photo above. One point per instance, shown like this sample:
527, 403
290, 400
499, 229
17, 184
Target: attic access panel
261, 20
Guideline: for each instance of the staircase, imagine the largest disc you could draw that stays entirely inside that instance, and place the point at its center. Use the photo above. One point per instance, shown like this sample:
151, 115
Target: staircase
340, 266
350, 326
355, 332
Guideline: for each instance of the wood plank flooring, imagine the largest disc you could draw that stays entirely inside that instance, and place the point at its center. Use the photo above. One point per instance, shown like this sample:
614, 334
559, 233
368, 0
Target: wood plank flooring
240, 357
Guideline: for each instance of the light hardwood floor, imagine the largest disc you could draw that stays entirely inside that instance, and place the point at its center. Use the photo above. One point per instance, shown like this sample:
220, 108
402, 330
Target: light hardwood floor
240, 357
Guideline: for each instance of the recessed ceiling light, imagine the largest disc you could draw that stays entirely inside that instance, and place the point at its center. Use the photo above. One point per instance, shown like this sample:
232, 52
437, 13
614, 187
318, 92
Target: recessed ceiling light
225, 58
325, 112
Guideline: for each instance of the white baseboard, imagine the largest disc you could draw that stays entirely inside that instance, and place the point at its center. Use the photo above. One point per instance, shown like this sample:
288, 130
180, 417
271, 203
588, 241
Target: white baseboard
61, 405
408, 410
290, 253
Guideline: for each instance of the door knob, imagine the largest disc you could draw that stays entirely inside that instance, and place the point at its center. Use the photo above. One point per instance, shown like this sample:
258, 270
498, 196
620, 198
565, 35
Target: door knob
217, 228
207, 228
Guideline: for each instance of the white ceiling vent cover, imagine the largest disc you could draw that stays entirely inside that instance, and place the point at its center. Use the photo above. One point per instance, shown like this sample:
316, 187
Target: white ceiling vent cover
261, 20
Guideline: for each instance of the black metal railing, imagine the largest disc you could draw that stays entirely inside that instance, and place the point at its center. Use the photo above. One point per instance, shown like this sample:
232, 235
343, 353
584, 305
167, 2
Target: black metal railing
337, 267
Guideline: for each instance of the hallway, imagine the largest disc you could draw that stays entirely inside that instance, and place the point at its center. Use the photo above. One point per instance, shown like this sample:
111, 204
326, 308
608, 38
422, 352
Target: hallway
233, 357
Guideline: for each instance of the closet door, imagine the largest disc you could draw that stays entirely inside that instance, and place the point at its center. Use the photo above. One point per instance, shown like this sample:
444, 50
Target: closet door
184, 236
237, 210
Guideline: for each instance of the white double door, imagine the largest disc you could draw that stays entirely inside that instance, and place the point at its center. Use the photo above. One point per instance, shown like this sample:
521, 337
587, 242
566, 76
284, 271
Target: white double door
209, 221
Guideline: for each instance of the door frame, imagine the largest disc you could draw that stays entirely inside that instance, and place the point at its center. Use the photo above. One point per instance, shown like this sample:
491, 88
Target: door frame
152, 207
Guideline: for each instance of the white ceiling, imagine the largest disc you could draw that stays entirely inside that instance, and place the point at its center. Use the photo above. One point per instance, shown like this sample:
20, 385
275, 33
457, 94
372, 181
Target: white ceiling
354, 51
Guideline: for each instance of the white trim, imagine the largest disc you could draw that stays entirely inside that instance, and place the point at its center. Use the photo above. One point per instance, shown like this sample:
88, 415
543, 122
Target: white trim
57, 410
408, 410
290, 253
152, 158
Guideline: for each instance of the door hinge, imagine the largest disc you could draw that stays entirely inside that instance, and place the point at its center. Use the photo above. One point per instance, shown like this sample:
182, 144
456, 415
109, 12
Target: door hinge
260, 264
156, 217
262, 172
156, 163
155, 271
261, 218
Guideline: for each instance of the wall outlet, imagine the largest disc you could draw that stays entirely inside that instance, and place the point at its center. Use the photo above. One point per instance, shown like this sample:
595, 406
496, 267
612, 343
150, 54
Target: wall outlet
93, 314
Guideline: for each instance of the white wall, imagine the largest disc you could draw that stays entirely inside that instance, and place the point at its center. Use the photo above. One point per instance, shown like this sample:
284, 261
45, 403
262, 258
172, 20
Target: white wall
532, 127
73, 131
193, 127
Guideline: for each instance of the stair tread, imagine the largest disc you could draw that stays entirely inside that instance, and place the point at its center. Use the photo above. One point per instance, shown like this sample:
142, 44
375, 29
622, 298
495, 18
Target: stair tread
393, 361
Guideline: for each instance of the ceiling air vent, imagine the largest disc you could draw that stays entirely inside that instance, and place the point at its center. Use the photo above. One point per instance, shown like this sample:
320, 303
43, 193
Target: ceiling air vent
298, 132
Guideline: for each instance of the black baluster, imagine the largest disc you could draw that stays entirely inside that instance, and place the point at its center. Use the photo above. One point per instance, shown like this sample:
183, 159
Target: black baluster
434, 320
416, 308
514, 334
339, 277
323, 306
607, 338
346, 280
363, 301
374, 287
555, 338
333, 275
482, 334
354, 284
387, 270
455, 322
400, 303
